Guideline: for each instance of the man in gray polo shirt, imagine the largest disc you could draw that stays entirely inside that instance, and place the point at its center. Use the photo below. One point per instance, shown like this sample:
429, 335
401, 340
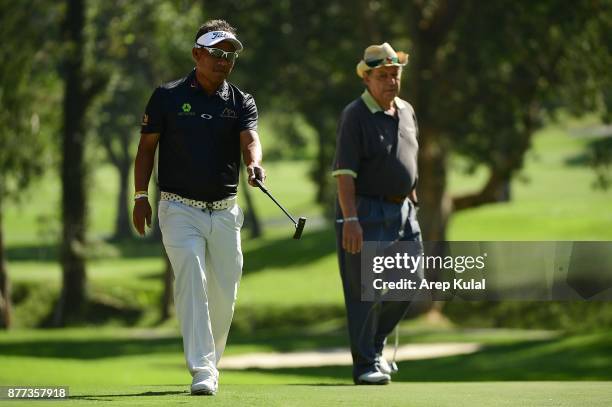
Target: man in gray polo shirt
376, 172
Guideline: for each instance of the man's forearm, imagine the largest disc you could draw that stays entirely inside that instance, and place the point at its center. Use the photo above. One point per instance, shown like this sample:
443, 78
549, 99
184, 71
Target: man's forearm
346, 195
142, 171
251, 148
252, 153
143, 167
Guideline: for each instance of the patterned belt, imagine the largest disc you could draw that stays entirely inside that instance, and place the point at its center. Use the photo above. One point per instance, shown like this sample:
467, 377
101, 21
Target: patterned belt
212, 206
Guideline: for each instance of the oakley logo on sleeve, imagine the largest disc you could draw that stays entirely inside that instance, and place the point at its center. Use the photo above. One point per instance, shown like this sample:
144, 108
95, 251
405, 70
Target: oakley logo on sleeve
229, 113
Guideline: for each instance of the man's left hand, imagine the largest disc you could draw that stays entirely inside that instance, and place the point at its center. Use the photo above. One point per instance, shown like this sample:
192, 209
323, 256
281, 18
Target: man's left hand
255, 171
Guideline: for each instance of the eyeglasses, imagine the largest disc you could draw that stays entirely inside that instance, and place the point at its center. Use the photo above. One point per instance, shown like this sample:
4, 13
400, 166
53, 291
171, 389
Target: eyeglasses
219, 53
376, 62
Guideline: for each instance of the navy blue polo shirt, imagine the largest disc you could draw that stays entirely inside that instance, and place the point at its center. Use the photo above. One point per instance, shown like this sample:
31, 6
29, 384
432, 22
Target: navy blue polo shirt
199, 144
378, 150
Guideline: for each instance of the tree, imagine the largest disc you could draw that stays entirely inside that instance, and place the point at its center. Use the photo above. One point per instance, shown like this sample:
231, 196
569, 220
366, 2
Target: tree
22, 153
480, 76
123, 33
302, 56
138, 46
494, 69
80, 88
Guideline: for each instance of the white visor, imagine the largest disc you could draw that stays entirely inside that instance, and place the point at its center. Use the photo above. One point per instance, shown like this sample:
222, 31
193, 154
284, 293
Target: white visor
214, 37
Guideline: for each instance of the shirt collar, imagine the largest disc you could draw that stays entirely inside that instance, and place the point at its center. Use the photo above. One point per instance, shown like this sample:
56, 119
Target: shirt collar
373, 105
222, 90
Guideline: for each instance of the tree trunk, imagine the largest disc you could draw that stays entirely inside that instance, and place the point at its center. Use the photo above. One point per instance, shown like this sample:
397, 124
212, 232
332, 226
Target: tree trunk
322, 168
72, 297
251, 219
435, 203
5, 288
321, 171
167, 297
428, 33
122, 221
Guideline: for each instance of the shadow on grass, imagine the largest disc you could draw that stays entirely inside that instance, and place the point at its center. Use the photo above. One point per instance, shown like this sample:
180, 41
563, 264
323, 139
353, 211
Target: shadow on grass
92, 348
584, 357
103, 397
565, 359
598, 152
291, 320
127, 249
287, 252
283, 252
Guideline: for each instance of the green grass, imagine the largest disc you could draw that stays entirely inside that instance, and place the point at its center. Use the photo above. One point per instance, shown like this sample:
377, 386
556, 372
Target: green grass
35, 219
553, 199
279, 273
144, 367
285, 287
324, 394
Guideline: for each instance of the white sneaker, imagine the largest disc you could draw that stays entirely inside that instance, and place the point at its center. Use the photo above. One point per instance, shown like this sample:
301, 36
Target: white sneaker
386, 367
203, 384
374, 377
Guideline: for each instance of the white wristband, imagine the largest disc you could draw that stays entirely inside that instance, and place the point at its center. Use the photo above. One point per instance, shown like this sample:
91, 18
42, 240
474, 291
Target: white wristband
139, 196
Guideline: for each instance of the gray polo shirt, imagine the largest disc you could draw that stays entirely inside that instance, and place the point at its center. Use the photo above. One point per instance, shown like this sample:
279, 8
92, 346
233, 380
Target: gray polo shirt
378, 150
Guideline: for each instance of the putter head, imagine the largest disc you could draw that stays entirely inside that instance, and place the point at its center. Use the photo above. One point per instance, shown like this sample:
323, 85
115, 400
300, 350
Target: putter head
299, 228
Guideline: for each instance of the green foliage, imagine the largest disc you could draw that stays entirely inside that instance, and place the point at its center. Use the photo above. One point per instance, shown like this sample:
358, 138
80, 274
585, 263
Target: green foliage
568, 316
501, 67
25, 111
600, 158
286, 135
137, 46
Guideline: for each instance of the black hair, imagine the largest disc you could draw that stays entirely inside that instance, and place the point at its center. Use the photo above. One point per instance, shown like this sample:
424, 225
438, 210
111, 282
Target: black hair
214, 25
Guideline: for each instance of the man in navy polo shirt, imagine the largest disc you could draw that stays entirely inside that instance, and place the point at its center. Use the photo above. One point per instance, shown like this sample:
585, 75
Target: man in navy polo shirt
199, 126
376, 171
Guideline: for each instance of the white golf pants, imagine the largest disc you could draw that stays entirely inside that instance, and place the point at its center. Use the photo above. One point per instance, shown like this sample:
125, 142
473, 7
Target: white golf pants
204, 249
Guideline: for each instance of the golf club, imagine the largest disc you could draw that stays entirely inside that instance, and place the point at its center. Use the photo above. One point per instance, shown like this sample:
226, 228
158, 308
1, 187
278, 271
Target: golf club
299, 225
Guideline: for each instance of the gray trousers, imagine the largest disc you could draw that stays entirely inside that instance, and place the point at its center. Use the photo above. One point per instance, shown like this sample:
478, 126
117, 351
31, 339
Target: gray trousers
369, 323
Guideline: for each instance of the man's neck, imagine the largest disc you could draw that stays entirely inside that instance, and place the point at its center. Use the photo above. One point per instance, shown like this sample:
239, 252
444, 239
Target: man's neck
209, 86
385, 105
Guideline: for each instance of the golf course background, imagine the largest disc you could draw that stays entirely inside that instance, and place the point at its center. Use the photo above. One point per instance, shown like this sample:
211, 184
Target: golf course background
514, 106
290, 299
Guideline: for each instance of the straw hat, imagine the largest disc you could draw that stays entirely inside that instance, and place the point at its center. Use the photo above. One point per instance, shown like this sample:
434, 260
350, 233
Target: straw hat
376, 56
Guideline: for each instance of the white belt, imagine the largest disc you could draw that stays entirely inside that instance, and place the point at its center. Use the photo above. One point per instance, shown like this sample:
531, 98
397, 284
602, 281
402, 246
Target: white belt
213, 206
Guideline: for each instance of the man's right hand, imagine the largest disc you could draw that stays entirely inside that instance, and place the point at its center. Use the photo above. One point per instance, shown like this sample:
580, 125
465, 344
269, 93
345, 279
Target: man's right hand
141, 213
352, 237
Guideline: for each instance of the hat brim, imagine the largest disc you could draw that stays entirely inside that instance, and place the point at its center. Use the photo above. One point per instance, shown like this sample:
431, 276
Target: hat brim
237, 44
214, 37
362, 67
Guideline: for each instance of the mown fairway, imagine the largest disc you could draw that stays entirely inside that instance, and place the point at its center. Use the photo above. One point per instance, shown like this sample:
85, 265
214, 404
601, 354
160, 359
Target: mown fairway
287, 288
145, 367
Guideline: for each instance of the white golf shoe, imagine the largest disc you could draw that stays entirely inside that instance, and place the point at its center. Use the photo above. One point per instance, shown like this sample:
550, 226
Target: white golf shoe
203, 385
373, 377
386, 367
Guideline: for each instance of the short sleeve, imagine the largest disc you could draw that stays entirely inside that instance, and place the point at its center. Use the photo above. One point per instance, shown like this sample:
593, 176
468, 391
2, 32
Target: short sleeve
347, 156
153, 118
416, 123
248, 118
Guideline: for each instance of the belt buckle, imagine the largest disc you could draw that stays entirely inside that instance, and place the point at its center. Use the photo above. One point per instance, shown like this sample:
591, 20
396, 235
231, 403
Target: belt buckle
209, 205
396, 199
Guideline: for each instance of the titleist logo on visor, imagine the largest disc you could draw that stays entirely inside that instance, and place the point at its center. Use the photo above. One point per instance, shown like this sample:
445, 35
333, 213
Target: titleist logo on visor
215, 37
